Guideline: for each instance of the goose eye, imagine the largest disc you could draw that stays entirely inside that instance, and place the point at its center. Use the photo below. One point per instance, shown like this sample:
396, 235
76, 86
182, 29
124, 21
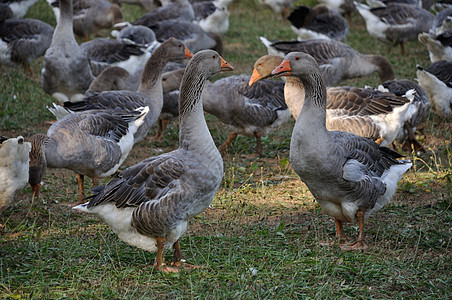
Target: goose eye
297, 58
214, 57
259, 65
180, 46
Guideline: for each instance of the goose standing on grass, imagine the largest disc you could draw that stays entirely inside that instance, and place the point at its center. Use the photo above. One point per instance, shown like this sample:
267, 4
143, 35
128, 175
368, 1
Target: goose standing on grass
150, 91
350, 176
23, 40
251, 111
91, 143
13, 168
396, 23
436, 80
338, 61
150, 204
365, 112
66, 73
318, 22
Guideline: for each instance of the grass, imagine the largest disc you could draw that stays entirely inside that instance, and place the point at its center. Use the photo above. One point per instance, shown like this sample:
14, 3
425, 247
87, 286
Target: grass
260, 238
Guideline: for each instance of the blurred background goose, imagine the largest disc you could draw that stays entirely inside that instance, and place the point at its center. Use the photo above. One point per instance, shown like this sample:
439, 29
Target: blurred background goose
438, 39
18, 8
136, 34
212, 16
279, 6
174, 9
251, 111
91, 16
396, 23
350, 176
318, 22
338, 61
149, 205
91, 143
23, 40
66, 73
436, 80
344, 7
149, 93
366, 112
13, 168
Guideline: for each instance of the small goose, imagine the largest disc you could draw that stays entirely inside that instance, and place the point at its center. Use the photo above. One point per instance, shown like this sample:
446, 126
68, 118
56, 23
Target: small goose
150, 204
338, 61
18, 8
91, 16
439, 38
436, 80
91, 143
350, 176
251, 111
366, 112
150, 91
66, 73
23, 40
396, 23
318, 22
13, 168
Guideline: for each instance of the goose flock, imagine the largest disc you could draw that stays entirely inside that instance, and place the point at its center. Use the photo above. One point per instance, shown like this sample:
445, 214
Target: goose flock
111, 90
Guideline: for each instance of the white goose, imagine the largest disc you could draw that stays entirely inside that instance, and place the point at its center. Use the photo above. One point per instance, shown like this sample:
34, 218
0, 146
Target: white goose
91, 143
338, 61
150, 204
363, 111
66, 73
350, 176
13, 168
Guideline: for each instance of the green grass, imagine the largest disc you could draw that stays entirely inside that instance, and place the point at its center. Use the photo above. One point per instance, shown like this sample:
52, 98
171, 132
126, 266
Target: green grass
260, 238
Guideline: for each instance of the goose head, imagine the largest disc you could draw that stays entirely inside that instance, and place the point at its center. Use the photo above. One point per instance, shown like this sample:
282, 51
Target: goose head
38, 163
263, 67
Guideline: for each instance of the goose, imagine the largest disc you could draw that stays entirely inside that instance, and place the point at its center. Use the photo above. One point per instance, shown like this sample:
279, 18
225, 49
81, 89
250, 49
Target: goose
23, 40
150, 92
417, 112
350, 176
66, 73
91, 16
150, 203
212, 16
105, 52
13, 168
366, 112
175, 9
136, 34
396, 23
193, 36
18, 8
436, 80
338, 61
251, 111
91, 143
278, 6
438, 39
113, 78
318, 22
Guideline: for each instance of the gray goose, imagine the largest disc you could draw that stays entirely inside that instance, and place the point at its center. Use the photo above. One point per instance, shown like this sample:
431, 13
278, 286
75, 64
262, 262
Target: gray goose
438, 39
90, 143
251, 111
23, 40
174, 9
13, 168
366, 112
150, 91
338, 61
150, 204
66, 73
349, 176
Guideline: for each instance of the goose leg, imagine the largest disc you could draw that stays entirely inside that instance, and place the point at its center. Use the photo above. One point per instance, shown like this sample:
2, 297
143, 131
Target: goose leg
402, 49
159, 264
411, 141
223, 147
95, 181
258, 143
160, 131
340, 234
359, 244
35, 190
81, 187
177, 259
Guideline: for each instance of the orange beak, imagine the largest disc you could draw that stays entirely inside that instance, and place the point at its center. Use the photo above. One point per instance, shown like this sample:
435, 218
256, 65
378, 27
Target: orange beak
255, 77
283, 69
188, 54
225, 66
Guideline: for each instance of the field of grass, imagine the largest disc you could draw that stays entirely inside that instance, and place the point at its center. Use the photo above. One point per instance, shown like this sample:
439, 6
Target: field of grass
259, 240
